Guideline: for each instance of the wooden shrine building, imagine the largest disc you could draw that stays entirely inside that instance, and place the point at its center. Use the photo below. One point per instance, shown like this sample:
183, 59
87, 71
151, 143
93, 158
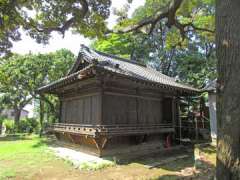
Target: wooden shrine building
110, 105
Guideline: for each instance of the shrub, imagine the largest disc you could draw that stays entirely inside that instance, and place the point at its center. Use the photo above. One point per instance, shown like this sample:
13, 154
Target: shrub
26, 125
10, 126
29, 125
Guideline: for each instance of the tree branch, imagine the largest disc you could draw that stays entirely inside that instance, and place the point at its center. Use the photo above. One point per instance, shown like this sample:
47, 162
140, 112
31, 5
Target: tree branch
201, 29
168, 13
67, 24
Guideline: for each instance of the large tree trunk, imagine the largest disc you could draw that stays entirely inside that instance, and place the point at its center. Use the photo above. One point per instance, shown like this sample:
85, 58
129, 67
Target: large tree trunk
17, 114
41, 114
1, 127
228, 88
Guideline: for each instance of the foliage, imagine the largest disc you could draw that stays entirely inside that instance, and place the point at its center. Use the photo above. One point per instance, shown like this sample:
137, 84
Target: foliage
21, 75
187, 18
39, 18
29, 125
195, 68
190, 59
93, 166
10, 126
118, 44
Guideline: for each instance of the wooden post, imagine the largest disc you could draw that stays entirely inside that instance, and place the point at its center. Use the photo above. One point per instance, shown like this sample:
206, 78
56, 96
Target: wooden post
180, 125
201, 104
179, 120
173, 114
188, 116
196, 127
60, 111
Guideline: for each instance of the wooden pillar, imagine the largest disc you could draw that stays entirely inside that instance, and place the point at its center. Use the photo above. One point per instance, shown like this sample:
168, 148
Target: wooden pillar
179, 119
173, 115
180, 124
196, 128
60, 111
173, 111
101, 99
201, 104
188, 117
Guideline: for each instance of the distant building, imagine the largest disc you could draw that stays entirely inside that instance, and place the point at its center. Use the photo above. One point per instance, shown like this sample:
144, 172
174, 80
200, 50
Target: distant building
9, 113
211, 89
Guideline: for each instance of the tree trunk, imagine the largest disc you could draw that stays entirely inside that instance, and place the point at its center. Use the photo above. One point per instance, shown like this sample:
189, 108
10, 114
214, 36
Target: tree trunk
41, 114
1, 127
17, 114
228, 89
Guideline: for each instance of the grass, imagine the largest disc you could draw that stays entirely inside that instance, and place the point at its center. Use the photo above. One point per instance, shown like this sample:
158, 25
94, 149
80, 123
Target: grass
28, 157
22, 155
93, 166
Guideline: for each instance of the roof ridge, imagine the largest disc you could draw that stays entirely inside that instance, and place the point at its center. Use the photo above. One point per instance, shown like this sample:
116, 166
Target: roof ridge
89, 50
120, 58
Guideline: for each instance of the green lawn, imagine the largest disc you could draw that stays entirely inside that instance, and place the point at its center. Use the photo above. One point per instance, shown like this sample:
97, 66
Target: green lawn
28, 157
21, 156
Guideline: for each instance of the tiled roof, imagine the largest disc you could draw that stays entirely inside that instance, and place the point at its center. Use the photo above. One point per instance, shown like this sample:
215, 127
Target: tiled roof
124, 67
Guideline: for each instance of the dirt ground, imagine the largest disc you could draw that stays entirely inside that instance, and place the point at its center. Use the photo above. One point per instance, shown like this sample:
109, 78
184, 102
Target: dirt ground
131, 171
28, 159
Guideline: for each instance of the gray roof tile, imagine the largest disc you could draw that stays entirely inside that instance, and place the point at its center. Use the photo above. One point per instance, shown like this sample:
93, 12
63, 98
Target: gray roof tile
121, 66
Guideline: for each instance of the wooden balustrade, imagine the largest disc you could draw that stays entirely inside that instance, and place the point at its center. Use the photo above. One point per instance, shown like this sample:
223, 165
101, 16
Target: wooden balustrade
111, 130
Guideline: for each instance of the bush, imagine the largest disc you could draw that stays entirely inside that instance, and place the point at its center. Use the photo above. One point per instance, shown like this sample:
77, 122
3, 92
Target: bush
10, 126
29, 125
26, 125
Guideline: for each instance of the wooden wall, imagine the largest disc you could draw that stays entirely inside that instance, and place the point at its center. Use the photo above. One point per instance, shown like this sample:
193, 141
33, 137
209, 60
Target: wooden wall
120, 109
81, 110
113, 101
167, 110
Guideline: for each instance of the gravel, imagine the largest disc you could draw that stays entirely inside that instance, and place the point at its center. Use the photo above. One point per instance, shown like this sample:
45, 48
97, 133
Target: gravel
81, 160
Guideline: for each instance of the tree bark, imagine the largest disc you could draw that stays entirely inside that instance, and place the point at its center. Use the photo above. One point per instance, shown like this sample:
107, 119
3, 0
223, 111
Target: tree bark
1, 127
41, 114
228, 89
17, 114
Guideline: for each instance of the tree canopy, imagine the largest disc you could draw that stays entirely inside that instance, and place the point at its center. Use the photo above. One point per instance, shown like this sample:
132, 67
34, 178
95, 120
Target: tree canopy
39, 18
88, 17
21, 75
189, 56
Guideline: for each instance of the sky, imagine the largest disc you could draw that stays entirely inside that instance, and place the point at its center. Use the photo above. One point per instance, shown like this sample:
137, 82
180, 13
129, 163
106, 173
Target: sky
70, 41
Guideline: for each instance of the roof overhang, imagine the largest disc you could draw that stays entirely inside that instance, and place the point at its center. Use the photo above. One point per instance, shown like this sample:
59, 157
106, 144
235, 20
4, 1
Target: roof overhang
91, 71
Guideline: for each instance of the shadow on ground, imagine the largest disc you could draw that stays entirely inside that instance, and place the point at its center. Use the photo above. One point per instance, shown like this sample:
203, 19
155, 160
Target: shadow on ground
16, 137
146, 167
206, 172
46, 140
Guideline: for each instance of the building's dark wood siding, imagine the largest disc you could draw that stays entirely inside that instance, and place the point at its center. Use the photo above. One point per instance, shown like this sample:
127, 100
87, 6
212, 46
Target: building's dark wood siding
120, 109
167, 110
81, 110
116, 102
